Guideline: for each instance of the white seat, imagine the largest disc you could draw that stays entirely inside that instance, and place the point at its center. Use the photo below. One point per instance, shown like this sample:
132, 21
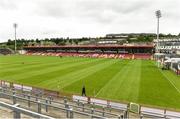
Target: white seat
80, 99
118, 106
99, 102
152, 112
171, 114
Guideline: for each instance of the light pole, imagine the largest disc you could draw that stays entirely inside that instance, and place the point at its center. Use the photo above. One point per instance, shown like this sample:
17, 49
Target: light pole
15, 27
158, 16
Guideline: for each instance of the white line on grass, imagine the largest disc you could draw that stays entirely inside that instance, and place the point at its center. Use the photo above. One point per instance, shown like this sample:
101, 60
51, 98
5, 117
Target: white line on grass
110, 81
170, 81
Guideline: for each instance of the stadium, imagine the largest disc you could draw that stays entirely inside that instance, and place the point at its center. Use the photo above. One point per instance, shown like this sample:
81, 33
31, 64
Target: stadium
60, 65
122, 74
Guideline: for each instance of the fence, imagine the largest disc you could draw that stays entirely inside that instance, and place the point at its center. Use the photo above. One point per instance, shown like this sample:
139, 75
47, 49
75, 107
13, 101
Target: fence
84, 105
158, 113
18, 110
30, 89
69, 109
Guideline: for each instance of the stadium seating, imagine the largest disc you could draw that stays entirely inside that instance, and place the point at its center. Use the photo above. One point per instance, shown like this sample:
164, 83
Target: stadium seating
93, 55
5, 51
142, 56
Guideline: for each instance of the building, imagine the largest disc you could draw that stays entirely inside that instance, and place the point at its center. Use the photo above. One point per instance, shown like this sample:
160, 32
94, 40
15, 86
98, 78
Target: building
131, 49
168, 45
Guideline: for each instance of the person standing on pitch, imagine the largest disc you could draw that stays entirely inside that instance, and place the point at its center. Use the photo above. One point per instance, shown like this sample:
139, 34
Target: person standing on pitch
83, 91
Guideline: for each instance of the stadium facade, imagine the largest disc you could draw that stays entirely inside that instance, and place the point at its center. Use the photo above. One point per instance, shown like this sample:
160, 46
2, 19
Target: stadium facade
94, 48
109, 51
168, 45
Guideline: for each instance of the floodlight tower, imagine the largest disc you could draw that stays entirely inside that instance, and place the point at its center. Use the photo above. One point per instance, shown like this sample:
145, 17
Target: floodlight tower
158, 16
15, 27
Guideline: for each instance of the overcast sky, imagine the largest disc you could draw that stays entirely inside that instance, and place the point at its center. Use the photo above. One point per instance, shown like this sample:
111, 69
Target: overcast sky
85, 18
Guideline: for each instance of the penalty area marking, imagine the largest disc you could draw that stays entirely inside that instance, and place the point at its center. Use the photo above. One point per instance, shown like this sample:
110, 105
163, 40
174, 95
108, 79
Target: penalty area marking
112, 79
170, 81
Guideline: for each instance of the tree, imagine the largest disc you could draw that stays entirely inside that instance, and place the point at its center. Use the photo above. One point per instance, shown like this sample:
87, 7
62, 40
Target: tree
9, 42
169, 35
70, 41
37, 40
179, 35
76, 41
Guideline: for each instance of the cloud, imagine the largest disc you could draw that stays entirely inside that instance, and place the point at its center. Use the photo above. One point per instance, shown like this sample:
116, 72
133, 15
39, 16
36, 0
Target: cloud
6, 4
77, 18
100, 10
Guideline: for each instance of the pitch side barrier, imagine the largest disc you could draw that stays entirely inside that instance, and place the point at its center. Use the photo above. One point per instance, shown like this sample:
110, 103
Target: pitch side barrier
90, 112
18, 111
39, 93
29, 89
81, 107
104, 104
82, 102
67, 108
100, 102
147, 112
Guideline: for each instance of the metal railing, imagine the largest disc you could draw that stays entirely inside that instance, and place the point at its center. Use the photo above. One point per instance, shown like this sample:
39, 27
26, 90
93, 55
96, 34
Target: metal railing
18, 110
38, 93
71, 108
65, 106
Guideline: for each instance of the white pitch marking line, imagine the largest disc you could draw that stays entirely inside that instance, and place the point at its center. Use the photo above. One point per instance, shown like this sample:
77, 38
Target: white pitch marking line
170, 82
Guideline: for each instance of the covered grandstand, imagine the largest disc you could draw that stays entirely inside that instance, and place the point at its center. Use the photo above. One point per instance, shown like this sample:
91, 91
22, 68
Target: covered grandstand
101, 51
5, 51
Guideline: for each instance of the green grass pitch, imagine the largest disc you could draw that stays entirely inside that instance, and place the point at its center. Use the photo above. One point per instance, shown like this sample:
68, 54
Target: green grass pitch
138, 81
